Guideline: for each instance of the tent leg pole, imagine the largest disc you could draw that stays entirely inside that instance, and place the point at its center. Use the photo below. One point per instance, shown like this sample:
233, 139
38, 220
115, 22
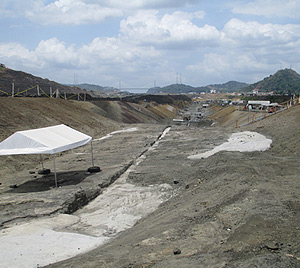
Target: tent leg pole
92, 153
53, 156
41, 158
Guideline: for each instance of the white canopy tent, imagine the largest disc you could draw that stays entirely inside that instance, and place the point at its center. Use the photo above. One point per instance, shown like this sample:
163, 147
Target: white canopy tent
48, 140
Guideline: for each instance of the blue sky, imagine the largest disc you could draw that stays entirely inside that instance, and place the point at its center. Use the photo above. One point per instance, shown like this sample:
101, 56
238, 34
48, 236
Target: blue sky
140, 43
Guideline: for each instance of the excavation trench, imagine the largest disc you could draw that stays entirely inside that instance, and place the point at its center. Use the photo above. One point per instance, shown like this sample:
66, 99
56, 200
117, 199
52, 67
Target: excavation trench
49, 240
80, 199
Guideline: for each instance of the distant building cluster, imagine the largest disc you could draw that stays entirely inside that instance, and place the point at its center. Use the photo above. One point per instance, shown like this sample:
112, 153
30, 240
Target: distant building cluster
255, 92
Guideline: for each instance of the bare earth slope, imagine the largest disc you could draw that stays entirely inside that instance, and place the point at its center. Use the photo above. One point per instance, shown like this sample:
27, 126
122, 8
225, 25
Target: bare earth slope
28, 113
24, 193
95, 118
232, 209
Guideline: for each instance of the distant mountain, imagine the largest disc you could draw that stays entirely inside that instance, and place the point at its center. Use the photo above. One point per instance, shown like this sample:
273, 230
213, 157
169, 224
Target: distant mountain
26, 84
283, 81
100, 89
230, 86
174, 89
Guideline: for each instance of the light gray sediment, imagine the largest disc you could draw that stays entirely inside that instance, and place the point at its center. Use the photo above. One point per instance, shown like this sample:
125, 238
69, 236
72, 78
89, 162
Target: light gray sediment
33, 197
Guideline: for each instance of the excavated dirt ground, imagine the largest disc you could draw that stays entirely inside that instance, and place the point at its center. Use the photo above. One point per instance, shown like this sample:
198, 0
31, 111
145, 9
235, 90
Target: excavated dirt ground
231, 209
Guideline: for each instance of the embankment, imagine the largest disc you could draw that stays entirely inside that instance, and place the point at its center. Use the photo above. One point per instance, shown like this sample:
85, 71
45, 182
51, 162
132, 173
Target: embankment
96, 118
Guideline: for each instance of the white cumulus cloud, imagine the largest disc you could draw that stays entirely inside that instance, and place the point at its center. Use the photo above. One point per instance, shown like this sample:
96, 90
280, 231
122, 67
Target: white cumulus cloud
268, 8
114, 51
13, 50
15, 55
50, 55
249, 50
53, 52
155, 43
71, 12
254, 34
145, 4
75, 12
168, 31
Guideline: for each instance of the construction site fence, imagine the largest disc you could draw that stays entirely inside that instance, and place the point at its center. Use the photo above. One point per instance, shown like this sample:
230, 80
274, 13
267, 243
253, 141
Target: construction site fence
255, 115
37, 91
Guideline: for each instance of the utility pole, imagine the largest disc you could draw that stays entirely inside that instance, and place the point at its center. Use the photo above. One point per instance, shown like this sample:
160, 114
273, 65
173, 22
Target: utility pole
13, 89
75, 79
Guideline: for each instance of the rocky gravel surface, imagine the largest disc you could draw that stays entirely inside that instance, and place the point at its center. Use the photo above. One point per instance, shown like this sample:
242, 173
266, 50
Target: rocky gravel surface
231, 209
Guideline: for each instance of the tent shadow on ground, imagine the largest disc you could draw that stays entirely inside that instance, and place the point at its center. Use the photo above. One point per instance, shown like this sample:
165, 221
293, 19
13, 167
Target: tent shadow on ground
47, 182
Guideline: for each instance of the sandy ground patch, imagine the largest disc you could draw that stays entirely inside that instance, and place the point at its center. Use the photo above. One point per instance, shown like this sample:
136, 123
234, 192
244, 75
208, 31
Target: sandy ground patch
242, 142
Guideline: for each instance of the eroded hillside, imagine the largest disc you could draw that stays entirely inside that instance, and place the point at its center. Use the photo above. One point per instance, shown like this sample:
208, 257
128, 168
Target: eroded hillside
230, 209
95, 118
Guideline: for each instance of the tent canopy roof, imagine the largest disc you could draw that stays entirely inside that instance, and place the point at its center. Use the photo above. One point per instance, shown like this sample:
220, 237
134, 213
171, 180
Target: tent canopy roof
48, 140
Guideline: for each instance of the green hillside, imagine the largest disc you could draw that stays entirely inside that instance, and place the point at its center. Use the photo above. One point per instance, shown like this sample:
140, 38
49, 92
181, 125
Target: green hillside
230, 86
92, 87
285, 81
174, 88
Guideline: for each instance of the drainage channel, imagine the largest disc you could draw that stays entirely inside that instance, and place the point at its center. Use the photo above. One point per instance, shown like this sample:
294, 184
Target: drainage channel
119, 207
141, 157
